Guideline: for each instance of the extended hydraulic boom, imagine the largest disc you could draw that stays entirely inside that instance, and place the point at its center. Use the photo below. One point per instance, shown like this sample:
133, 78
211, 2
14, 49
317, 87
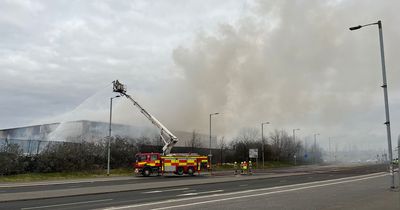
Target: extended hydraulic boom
168, 138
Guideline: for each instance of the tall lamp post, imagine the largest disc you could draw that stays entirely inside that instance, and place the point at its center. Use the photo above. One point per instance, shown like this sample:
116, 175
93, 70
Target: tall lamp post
263, 142
385, 93
398, 157
210, 140
294, 141
315, 146
109, 137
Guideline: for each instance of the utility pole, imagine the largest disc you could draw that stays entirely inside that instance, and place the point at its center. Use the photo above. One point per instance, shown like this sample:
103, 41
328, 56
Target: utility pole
315, 148
109, 137
385, 94
398, 159
330, 153
295, 146
210, 141
263, 142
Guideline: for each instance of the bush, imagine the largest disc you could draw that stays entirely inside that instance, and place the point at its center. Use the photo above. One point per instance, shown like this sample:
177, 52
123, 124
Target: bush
122, 152
10, 159
66, 156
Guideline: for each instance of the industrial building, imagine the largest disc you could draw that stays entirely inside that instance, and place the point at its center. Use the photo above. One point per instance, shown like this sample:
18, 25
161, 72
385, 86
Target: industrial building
32, 139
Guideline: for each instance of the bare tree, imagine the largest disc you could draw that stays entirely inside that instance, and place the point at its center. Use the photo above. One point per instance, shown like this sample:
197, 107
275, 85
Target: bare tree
156, 140
194, 141
283, 145
248, 135
246, 139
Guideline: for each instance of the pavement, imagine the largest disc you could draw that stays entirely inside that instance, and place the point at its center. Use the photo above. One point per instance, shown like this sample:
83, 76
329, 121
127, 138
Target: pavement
60, 182
214, 192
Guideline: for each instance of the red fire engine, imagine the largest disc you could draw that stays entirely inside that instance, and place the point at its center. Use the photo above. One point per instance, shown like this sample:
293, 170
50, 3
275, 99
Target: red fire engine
177, 163
148, 163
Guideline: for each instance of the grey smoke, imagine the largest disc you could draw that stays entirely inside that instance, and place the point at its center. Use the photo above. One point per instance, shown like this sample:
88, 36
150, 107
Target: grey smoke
296, 64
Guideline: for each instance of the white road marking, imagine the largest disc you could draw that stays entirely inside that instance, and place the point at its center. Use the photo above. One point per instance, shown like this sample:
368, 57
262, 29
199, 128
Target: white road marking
150, 192
160, 191
198, 193
328, 182
67, 204
243, 185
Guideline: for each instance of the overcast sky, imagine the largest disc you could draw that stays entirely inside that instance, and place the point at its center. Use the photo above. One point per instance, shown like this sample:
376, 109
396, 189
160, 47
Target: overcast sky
293, 63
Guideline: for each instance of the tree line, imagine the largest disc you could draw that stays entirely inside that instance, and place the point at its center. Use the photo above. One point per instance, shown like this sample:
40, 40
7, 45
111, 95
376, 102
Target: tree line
92, 156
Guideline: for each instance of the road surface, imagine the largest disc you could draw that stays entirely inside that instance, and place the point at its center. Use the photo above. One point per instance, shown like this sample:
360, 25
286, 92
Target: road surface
352, 188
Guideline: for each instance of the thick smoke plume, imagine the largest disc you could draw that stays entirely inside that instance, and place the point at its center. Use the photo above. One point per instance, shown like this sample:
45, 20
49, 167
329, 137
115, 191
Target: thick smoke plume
293, 63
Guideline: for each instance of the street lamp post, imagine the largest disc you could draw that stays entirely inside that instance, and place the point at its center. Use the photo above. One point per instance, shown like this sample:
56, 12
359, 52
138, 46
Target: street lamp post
385, 93
330, 153
294, 141
315, 146
109, 137
210, 140
398, 157
263, 142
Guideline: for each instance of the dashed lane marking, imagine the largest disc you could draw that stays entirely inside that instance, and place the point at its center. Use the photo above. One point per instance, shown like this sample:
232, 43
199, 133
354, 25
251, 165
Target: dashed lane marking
199, 193
160, 191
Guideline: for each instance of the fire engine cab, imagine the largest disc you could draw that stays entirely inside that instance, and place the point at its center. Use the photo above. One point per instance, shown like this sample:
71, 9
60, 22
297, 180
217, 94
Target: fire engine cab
167, 162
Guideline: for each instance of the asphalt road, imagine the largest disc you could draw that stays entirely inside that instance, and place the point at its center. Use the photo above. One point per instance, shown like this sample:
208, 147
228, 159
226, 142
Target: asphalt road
281, 192
33, 187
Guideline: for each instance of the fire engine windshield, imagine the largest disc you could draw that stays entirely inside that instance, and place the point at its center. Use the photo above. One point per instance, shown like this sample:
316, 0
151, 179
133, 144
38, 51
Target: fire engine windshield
141, 158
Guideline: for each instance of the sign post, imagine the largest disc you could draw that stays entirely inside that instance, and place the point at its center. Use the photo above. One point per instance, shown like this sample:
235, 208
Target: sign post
253, 153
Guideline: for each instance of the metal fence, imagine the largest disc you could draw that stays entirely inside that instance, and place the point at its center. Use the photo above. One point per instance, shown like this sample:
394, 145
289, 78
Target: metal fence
28, 146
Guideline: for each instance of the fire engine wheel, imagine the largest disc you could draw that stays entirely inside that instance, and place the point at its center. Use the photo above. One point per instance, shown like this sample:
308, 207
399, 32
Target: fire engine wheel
146, 172
190, 171
180, 171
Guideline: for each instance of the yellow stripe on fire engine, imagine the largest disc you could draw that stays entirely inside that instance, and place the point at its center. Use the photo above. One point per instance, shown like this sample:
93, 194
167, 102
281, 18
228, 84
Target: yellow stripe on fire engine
182, 164
167, 164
